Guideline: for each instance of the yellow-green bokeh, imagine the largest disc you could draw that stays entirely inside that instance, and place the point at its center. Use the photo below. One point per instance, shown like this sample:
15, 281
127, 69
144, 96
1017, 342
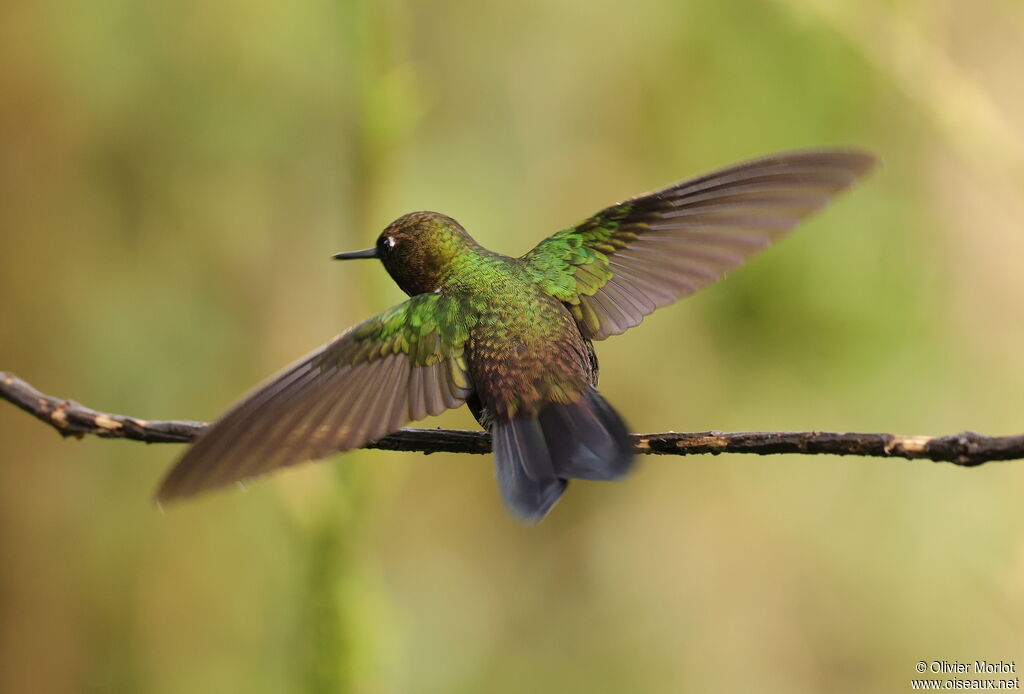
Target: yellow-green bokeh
174, 177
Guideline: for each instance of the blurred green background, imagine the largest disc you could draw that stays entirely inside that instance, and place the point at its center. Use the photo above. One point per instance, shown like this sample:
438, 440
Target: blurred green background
174, 177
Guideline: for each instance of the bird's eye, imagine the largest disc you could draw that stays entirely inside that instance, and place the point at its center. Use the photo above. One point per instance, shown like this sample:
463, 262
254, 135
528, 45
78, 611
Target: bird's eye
385, 245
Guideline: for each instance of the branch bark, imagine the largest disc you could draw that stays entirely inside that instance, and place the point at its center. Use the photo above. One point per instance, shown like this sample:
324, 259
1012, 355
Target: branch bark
969, 449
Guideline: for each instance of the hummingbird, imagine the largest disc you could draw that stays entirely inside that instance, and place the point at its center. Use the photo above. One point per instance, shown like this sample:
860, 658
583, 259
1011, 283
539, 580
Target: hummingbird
512, 338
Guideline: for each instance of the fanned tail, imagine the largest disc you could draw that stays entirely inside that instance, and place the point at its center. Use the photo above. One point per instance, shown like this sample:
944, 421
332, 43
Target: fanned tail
536, 456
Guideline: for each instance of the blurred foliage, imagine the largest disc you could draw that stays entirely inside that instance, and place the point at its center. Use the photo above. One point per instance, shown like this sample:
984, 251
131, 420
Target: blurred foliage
174, 177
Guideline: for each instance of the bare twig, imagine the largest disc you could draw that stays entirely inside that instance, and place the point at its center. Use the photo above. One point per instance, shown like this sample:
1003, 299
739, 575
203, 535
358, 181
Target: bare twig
968, 448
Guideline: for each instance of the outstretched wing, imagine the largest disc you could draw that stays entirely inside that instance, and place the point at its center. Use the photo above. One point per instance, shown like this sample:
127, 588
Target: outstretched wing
398, 366
633, 257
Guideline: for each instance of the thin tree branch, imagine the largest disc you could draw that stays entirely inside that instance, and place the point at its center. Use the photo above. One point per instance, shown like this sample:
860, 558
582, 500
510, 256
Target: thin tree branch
967, 449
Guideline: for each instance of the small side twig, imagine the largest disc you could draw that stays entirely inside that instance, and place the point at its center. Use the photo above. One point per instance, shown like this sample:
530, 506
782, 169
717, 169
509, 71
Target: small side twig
969, 449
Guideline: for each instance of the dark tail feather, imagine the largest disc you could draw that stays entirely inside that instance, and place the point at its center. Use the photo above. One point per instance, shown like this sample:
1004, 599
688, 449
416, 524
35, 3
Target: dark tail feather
534, 457
526, 473
587, 439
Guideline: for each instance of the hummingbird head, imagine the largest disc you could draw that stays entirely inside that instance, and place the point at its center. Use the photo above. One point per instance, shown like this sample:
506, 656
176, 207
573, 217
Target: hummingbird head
418, 250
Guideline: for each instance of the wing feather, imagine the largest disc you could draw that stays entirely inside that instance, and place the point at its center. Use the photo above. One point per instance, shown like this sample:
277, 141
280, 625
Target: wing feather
633, 257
